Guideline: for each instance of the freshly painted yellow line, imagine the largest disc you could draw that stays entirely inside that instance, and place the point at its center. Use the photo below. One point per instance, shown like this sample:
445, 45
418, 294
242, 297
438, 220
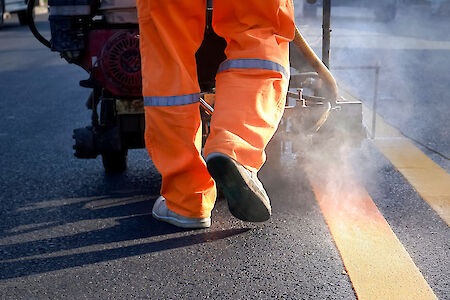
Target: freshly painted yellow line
377, 263
428, 178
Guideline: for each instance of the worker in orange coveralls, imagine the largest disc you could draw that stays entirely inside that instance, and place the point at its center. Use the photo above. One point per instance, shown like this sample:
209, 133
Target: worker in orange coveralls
250, 97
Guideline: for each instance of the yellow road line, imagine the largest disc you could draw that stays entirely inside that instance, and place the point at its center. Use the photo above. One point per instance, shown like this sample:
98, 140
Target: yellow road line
428, 178
377, 263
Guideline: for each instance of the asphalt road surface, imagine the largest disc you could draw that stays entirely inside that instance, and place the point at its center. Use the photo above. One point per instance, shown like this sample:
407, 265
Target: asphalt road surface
70, 231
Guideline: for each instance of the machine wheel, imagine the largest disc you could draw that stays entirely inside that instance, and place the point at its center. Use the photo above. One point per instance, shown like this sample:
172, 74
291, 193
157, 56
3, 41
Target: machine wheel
115, 162
2, 11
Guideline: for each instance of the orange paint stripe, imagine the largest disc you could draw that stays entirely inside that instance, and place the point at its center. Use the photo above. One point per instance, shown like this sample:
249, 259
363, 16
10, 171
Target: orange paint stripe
377, 263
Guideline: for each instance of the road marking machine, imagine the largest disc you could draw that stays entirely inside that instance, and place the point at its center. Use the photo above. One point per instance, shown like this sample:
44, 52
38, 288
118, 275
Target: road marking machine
102, 37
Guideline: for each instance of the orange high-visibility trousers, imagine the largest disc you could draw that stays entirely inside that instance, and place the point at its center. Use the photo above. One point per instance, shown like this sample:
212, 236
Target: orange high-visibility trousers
250, 90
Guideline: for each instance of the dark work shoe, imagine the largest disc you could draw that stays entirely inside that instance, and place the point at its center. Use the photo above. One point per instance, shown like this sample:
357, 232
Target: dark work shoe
245, 194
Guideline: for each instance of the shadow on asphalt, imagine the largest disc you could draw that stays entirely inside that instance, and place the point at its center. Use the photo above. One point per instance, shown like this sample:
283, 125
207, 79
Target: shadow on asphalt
41, 265
72, 207
96, 219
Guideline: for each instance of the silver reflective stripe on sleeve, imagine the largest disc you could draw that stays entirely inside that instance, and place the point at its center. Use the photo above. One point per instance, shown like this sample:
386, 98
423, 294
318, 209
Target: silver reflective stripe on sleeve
172, 100
253, 64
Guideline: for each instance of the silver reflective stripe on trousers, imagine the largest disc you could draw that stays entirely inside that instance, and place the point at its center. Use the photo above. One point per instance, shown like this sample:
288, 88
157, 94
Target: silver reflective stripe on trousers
172, 100
253, 64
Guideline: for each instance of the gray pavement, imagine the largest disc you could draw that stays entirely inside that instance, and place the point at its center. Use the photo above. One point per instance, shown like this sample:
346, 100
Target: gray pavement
70, 231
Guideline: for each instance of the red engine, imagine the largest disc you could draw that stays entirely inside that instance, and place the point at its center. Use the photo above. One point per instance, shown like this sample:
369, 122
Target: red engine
113, 60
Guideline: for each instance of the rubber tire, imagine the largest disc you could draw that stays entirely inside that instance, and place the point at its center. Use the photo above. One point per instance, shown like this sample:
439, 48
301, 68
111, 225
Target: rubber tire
23, 18
115, 162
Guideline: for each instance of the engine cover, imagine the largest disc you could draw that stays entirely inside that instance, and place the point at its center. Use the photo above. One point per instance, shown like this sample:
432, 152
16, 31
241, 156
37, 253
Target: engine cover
121, 63
113, 59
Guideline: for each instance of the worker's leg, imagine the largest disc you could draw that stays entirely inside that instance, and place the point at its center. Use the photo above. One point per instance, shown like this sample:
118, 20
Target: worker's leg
251, 84
171, 32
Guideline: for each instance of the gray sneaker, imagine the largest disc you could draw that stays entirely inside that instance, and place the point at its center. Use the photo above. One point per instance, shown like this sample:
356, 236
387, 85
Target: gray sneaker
161, 213
247, 199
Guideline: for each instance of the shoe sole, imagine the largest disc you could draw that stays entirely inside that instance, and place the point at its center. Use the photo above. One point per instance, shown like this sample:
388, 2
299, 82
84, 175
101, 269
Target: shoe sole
246, 201
181, 224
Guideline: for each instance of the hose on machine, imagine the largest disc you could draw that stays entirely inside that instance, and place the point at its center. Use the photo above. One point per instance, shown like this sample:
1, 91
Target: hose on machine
316, 63
32, 25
